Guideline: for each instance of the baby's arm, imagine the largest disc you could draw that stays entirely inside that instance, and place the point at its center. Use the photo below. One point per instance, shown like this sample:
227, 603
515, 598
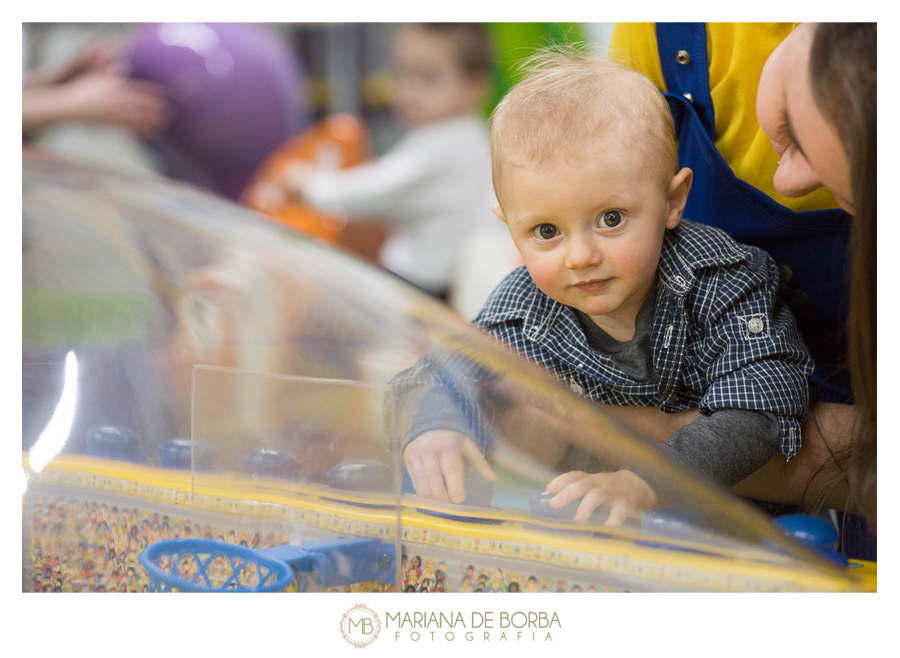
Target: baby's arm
372, 189
375, 188
435, 424
726, 446
439, 443
751, 352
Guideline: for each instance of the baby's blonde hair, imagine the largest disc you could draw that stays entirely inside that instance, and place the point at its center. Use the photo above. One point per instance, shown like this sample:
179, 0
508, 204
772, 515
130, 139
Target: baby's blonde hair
567, 99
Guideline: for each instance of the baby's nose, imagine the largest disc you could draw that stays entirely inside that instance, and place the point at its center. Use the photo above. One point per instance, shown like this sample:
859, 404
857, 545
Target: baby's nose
582, 252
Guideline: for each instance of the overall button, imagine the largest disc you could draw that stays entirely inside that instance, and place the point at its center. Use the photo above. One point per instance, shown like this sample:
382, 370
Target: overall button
755, 325
799, 297
683, 57
786, 273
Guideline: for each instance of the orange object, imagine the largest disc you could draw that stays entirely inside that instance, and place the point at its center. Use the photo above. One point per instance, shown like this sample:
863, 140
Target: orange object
341, 140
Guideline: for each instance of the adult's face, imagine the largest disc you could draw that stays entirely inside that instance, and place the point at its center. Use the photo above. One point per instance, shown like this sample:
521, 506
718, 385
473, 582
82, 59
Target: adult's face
811, 151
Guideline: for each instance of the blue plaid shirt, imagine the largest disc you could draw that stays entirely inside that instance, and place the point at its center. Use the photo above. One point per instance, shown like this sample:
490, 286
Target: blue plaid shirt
721, 339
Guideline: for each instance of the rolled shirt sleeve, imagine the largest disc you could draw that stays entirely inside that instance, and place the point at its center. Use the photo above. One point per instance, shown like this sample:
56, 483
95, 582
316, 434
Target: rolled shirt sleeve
754, 357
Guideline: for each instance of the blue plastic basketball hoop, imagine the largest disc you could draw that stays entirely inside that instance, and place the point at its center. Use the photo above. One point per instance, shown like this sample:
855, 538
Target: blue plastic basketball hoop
204, 565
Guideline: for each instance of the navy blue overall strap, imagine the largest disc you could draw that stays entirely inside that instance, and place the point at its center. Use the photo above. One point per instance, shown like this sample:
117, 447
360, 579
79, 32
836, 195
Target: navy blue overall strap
810, 247
685, 67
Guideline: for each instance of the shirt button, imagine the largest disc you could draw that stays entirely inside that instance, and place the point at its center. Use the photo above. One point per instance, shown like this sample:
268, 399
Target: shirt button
576, 389
755, 325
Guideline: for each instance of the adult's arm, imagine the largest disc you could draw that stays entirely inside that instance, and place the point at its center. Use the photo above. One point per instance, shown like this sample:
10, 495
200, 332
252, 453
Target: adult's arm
828, 431
810, 476
103, 96
96, 56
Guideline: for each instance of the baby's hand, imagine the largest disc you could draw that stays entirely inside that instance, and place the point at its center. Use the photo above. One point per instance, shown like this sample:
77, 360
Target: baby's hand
267, 196
295, 176
435, 459
624, 492
283, 185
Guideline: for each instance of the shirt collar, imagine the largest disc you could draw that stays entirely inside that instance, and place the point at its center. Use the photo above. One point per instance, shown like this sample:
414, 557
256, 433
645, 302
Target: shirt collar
690, 247
687, 248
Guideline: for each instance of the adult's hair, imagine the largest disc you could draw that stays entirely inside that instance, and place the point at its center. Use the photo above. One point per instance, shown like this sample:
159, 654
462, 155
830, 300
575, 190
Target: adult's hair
842, 71
567, 99
471, 42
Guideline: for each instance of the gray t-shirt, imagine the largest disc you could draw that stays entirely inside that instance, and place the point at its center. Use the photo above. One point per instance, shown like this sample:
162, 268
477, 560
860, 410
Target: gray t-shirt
633, 356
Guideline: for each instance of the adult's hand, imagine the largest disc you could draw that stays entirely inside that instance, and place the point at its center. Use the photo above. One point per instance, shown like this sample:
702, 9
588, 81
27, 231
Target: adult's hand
108, 96
101, 95
98, 55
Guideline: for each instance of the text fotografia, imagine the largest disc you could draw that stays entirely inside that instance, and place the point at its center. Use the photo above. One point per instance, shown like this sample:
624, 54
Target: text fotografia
479, 626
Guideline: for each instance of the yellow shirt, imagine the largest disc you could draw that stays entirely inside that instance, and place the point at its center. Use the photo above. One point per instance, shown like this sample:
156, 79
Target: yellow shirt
736, 53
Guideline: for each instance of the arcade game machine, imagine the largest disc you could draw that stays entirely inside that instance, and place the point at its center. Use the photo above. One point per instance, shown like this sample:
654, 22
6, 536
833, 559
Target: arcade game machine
212, 401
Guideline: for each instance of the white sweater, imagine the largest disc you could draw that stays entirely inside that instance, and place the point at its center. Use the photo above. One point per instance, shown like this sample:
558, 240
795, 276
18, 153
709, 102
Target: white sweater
433, 186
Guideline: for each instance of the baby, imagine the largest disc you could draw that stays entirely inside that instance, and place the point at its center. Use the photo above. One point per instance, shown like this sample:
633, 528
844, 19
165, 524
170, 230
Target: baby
620, 298
433, 186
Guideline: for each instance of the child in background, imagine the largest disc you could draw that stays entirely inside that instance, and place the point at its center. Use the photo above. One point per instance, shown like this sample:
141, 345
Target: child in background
433, 185
620, 298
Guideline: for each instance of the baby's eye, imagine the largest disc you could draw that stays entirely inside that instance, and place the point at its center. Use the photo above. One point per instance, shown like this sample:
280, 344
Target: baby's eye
546, 232
610, 219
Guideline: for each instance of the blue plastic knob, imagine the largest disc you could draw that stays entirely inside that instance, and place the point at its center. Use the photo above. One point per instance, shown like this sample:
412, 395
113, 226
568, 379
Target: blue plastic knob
815, 532
269, 462
361, 475
176, 453
114, 442
674, 521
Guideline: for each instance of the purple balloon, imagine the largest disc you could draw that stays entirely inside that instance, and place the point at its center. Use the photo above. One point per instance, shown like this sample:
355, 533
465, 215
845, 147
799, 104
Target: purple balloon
238, 92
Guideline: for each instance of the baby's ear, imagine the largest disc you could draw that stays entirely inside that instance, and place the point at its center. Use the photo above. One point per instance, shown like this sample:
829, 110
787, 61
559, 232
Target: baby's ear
499, 212
679, 189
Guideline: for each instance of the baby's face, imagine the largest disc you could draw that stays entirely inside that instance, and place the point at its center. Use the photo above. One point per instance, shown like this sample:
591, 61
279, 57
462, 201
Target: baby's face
430, 84
591, 231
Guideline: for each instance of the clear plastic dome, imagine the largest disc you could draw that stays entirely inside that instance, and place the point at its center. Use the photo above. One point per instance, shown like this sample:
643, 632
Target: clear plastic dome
186, 361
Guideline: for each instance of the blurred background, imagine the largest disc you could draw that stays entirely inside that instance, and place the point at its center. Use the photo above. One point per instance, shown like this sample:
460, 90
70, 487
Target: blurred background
229, 107
342, 67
